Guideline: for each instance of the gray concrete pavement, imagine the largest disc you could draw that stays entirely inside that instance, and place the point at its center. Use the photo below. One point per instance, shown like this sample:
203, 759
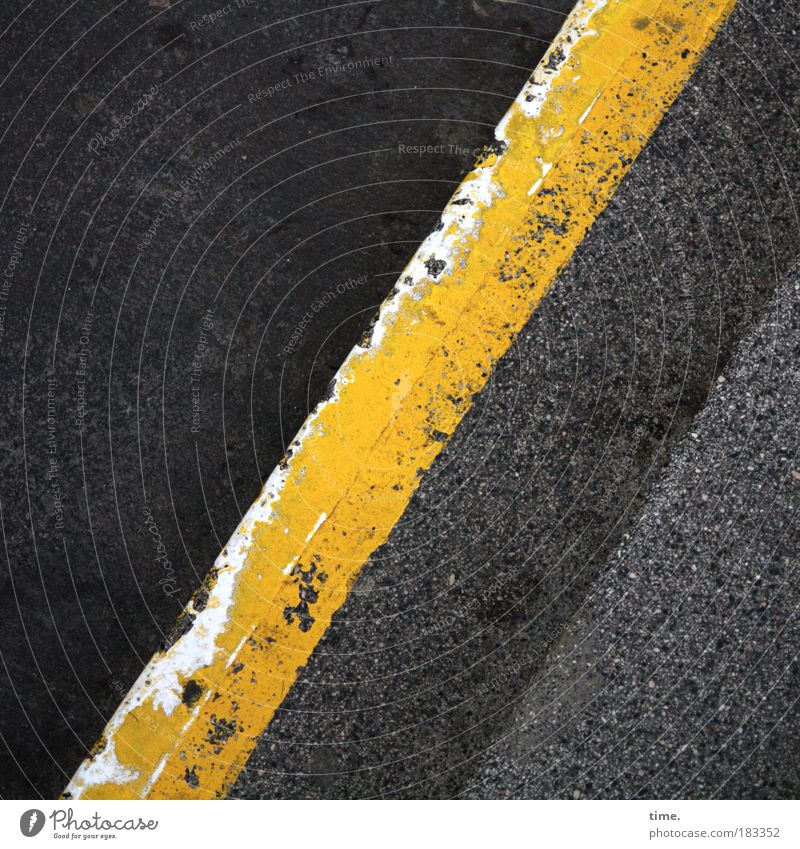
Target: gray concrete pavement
678, 675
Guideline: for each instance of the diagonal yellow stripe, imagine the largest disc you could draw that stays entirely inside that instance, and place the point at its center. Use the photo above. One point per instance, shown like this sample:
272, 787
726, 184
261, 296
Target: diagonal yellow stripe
191, 720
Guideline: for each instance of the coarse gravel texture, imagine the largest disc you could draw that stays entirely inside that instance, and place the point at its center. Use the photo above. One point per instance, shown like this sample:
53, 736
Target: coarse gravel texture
679, 676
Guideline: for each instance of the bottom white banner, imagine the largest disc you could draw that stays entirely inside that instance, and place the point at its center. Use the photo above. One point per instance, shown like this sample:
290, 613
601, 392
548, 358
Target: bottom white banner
389, 823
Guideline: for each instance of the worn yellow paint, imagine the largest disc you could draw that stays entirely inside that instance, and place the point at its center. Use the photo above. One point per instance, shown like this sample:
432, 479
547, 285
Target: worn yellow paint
358, 461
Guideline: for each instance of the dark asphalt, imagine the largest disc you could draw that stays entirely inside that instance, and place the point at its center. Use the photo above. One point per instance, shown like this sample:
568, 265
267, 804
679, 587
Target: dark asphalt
534, 511
153, 347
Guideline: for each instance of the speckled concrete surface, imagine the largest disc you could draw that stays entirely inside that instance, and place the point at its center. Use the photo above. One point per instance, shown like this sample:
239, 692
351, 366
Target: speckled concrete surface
679, 675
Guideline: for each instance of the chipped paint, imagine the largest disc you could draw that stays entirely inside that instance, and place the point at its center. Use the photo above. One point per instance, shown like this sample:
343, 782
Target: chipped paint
537, 185
105, 768
536, 91
191, 720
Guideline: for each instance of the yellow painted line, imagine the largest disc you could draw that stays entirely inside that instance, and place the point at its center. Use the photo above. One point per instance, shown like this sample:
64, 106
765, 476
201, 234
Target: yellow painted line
188, 725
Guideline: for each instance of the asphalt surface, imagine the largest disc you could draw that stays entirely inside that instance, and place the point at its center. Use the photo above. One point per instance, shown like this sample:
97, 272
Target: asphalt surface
155, 345
426, 665
430, 680
679, 675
